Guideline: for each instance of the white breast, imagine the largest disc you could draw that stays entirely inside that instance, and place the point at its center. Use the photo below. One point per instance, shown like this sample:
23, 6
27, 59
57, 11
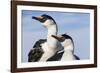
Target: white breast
68, 56
68, 53
48, 52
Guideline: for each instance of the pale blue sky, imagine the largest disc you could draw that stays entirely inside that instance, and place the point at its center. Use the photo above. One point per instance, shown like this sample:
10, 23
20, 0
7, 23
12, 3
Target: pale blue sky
77, 25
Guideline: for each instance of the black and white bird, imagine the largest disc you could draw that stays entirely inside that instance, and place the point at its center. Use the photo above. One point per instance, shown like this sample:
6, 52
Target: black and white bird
68, 45
45, 48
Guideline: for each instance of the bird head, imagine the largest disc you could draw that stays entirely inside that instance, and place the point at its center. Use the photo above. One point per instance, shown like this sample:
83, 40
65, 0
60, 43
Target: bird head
65, 40
46, 20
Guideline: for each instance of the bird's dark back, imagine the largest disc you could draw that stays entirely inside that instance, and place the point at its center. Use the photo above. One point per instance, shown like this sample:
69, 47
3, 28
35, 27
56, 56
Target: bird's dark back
39, 42
37, 51
76, 57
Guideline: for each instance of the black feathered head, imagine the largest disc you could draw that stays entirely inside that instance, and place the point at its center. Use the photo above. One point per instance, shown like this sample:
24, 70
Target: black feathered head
43, 18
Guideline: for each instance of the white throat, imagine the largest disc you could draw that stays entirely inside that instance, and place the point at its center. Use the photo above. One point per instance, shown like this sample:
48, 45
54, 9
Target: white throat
68, 45
52, 30
68, 52
51, 46
52, 42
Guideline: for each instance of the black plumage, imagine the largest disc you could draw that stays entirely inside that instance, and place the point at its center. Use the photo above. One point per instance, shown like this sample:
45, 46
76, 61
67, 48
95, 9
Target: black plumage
36, 53
76, 57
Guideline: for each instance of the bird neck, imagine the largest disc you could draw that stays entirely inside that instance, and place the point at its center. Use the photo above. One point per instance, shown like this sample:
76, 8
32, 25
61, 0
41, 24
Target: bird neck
67, 56
68, 53
69, 48
50, 47
52, 30
52, 42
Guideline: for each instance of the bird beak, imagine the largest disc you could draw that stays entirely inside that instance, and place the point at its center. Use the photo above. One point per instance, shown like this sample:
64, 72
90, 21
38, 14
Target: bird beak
39, 18
59, 38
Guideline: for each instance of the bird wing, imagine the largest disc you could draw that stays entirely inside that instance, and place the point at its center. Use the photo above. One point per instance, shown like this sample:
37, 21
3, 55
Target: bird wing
36, 53
76, 57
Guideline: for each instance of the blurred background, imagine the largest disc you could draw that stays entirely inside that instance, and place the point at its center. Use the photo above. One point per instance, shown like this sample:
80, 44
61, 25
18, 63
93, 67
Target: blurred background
77, 25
